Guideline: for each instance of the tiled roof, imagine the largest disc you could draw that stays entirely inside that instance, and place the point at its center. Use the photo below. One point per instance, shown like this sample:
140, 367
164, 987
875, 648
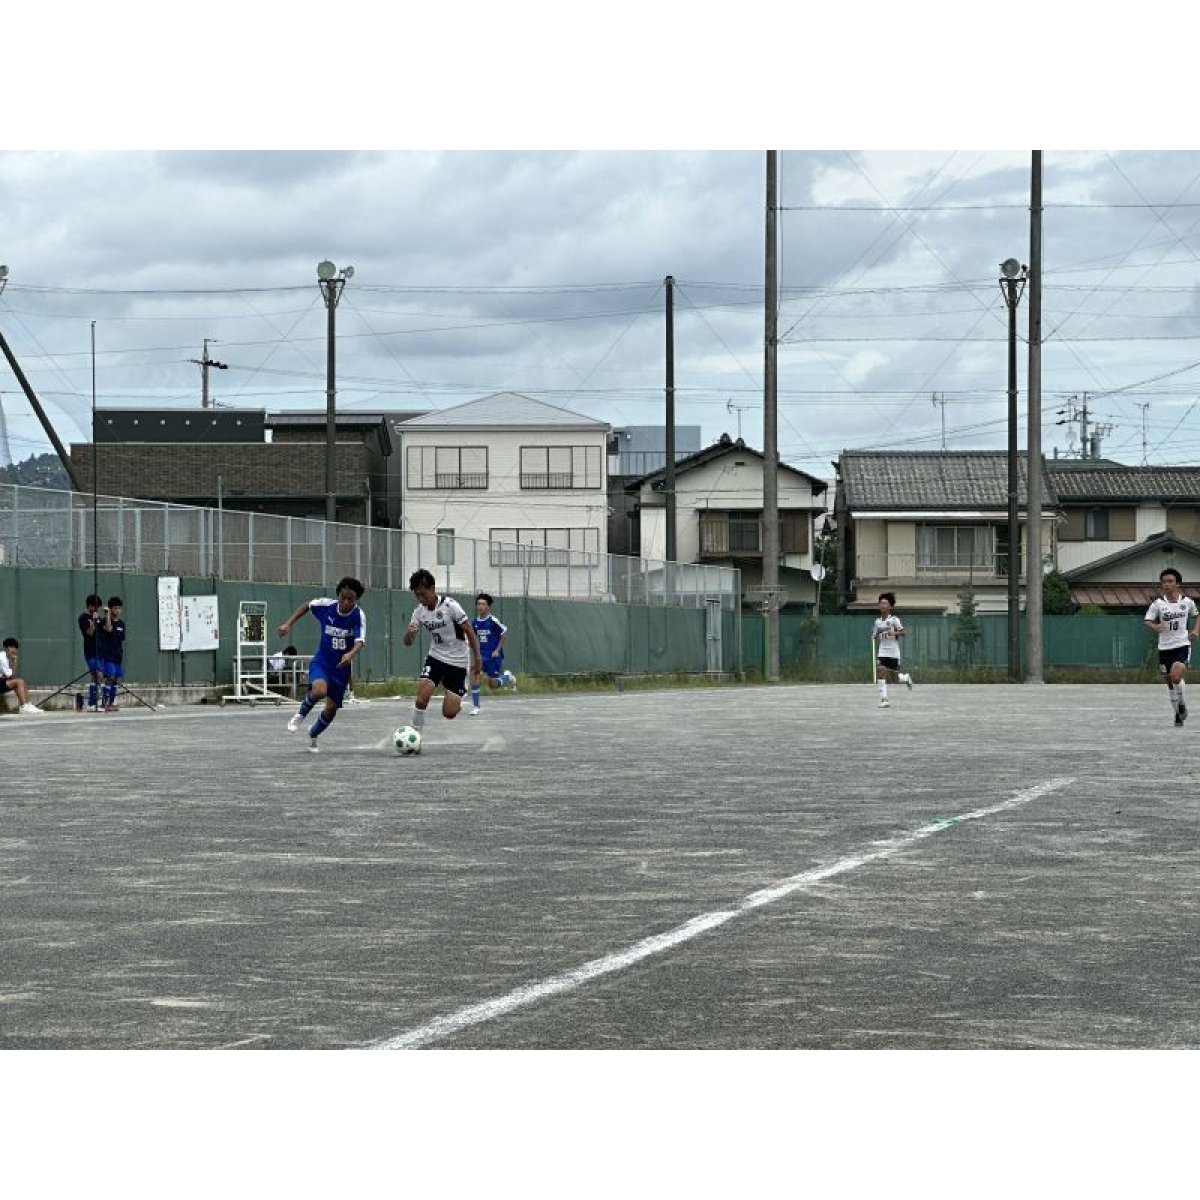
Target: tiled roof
1116, 482
934, 479
1116, 595
504, 410
719, 449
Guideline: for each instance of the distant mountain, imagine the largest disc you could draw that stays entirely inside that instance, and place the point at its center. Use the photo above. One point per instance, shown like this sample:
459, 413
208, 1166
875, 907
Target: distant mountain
38, 470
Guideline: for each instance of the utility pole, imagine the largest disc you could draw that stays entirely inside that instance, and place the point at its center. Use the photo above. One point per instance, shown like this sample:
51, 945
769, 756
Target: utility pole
770, 531
1033, 511
669, 478
1145, 413
204, 362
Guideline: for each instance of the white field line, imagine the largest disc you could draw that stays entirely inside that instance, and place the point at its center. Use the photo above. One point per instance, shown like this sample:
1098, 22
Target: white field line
568, 981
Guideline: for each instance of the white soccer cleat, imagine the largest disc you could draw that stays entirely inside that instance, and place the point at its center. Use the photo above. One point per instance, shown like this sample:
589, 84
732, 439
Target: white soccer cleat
294, 723
475, 710
908, 682
884, 704
313, 748
31, 708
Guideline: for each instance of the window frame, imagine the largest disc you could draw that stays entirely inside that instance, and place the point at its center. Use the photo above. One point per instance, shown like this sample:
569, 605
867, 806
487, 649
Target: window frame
429, 464
583, 470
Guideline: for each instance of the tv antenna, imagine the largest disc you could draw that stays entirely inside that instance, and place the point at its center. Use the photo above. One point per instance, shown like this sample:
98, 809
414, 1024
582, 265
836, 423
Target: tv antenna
940, 399
731, 408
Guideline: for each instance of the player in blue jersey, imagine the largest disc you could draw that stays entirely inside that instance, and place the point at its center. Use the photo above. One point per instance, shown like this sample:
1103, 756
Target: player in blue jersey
110, 647
89, 625
343, 634
490, 631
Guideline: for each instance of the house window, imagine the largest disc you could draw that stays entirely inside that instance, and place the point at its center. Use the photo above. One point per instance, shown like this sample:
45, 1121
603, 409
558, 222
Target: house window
447, 468
445, 547
565, 547
1106, 523
941, 547
1095, 525
745, 535
793, 532
552, 467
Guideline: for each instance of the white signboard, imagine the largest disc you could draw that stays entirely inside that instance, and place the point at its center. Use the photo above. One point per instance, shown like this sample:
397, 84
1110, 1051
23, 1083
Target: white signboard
168, 613
198, 623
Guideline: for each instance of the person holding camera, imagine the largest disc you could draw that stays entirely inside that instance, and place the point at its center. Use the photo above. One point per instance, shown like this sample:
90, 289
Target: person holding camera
89, 624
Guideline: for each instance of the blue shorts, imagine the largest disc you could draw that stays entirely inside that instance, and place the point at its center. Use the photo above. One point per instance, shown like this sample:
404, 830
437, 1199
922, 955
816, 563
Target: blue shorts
335, 680
94, 664
493, 667
112, 670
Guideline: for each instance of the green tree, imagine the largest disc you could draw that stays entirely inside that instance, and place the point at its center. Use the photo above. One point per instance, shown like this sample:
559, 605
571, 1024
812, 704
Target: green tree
1056, 595
967, 632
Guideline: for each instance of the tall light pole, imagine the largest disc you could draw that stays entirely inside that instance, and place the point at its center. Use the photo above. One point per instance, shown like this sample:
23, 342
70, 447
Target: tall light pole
331, 282
1012, 284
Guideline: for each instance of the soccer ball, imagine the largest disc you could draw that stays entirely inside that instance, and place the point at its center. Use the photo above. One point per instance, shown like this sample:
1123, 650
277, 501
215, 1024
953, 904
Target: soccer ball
407, 740
507, 678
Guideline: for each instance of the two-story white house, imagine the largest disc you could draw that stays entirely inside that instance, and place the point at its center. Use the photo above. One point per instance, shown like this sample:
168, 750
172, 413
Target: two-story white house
719, 516
523, 477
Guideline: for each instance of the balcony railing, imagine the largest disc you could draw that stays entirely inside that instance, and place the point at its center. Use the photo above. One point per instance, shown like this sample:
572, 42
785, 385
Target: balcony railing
542, 481
881, 567
454, 482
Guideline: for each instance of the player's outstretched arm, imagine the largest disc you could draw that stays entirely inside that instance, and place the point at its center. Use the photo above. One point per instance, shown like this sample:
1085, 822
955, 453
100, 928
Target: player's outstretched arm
410, 633
285, 628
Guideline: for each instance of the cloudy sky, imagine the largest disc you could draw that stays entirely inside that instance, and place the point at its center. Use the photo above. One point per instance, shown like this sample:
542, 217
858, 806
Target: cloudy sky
541, 271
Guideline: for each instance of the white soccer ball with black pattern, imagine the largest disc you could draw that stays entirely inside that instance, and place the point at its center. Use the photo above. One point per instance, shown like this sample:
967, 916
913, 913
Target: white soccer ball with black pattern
407, 740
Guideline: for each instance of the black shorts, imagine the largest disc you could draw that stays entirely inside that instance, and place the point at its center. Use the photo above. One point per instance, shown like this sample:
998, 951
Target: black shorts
892, 664
1167, 658
446, 676
3, 685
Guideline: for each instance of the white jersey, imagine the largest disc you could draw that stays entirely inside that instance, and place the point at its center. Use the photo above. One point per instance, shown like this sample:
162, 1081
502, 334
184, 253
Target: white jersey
6, 670
886, 629
444, 624
1174, 618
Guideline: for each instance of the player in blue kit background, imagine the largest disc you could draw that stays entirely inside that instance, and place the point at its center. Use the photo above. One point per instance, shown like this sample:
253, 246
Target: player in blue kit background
490, 631
343, 634
110, 648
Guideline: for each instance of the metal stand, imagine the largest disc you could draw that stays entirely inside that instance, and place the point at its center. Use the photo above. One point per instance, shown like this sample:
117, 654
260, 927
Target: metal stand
250, 657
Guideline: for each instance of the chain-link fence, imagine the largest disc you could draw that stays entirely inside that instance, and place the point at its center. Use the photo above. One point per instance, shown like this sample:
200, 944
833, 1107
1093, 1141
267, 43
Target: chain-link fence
70, 530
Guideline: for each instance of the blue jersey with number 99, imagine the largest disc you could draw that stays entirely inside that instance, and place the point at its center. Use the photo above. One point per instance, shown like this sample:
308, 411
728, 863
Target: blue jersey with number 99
339, 632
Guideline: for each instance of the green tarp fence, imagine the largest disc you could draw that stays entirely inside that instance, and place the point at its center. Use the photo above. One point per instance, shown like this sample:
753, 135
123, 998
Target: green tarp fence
40, 608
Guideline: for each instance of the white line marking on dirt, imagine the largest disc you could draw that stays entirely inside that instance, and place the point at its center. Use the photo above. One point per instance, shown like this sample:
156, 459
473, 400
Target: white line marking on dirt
531, 993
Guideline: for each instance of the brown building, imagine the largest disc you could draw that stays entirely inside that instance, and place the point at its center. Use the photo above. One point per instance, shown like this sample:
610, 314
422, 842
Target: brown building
250, 461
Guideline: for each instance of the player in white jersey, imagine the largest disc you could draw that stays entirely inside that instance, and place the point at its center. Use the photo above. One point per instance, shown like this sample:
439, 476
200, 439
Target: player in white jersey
453, 648
1168, 617
887, 632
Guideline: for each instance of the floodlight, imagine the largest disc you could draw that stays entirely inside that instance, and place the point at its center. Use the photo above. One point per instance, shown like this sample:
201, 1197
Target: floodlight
1010, 268
326, 270
3, 272
348, 272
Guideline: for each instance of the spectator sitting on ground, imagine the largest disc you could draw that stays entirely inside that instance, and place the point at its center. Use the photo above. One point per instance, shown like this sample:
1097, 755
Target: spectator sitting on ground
10, 681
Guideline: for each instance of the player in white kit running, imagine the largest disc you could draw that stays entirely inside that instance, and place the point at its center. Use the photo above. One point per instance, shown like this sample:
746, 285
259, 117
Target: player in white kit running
453, 649
887, 632
1168, 617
